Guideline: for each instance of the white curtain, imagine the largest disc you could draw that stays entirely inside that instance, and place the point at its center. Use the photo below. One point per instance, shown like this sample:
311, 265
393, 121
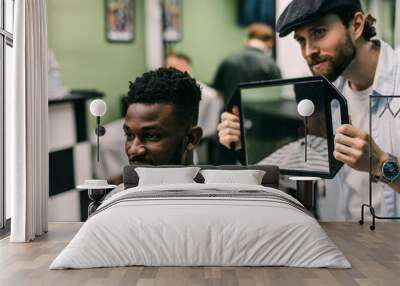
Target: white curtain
153, 28
397, 26
26, 123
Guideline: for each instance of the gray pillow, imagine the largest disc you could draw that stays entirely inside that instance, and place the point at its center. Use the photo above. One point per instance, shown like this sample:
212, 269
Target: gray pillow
162, 176
248, 177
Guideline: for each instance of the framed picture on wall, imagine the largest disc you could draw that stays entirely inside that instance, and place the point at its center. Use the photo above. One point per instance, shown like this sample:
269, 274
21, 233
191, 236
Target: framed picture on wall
120, 16
172, 20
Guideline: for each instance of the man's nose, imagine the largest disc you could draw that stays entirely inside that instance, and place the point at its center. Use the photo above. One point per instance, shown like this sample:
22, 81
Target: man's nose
136, 148
310, 50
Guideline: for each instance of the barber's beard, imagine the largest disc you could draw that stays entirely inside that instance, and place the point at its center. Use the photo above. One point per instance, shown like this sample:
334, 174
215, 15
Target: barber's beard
335, 65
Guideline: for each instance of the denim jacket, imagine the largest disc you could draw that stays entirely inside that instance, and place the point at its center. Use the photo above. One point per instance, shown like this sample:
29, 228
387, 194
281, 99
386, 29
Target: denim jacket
385, 126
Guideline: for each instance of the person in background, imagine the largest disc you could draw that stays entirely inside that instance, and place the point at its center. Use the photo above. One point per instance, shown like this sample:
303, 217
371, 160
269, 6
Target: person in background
180, 61
253, 63
335, 38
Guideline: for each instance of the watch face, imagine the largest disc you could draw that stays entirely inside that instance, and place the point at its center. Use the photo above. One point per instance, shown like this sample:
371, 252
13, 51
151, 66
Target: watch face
390, 170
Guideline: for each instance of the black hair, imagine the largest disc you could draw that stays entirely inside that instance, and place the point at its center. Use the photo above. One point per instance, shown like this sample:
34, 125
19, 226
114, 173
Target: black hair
346, 15
168, 85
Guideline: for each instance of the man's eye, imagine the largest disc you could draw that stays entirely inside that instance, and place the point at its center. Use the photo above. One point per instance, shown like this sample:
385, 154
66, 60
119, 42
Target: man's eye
129, 136
152, 136
318, 33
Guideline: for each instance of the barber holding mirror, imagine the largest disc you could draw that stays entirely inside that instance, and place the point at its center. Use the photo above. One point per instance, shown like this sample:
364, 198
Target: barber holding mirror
335, 38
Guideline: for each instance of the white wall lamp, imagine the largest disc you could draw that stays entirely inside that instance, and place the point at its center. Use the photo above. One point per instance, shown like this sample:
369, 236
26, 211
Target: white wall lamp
98, 108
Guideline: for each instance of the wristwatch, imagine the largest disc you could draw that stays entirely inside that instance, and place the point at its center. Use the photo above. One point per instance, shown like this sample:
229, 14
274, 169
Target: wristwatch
390, 170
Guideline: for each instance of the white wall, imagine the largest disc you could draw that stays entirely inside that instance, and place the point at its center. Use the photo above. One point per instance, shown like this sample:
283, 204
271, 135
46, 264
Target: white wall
289, 56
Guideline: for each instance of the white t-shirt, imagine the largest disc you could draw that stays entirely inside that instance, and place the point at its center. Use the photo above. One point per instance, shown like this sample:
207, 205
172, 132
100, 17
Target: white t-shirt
356, 181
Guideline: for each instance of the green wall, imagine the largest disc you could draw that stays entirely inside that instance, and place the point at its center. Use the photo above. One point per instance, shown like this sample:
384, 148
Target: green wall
87, 60
210, 32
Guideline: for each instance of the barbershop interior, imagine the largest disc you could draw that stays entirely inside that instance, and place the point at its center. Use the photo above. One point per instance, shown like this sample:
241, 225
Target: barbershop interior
186, 142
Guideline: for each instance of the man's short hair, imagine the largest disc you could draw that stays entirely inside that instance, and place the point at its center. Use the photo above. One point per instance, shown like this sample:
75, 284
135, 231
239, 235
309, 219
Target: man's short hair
168, 85
346, 15
260, 31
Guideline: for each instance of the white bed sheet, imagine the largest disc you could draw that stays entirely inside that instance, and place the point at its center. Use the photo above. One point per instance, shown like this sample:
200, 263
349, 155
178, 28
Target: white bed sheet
202, 231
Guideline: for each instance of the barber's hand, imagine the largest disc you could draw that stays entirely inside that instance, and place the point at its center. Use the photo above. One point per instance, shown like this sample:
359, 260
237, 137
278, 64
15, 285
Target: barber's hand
351, 148
229, 129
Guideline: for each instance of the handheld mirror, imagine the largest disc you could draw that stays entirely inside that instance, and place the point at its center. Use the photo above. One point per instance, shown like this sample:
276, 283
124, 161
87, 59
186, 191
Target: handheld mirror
290, 123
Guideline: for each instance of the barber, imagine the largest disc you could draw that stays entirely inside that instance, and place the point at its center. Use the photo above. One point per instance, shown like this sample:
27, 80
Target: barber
335, 38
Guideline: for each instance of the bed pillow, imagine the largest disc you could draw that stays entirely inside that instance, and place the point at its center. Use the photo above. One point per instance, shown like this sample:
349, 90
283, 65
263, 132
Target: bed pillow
248, 177
162, 176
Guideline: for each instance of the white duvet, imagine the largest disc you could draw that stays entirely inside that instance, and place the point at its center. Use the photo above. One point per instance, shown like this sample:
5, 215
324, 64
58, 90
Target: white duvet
144, 226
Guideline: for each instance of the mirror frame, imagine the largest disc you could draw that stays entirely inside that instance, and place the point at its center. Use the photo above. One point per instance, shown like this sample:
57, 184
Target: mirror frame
332, 93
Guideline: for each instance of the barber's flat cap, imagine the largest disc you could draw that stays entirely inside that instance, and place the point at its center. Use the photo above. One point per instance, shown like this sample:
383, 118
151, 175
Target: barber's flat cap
301, 12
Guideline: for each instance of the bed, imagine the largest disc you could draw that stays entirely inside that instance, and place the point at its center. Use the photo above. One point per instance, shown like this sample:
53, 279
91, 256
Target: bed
202, 223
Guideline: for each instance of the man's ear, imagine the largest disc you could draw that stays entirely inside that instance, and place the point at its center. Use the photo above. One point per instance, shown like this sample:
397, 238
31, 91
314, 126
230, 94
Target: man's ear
357, 25
194, 136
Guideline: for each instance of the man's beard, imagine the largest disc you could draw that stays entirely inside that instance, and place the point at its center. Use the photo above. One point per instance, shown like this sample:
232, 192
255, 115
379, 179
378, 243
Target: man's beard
335, 65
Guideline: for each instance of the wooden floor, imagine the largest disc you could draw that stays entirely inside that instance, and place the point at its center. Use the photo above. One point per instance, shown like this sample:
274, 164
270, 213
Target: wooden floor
374, 255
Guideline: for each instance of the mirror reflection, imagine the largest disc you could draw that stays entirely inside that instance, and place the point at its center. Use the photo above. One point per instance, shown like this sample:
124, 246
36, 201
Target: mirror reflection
275, 132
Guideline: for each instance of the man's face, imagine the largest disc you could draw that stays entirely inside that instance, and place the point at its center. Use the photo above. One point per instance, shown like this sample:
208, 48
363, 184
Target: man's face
153, 135
326, 45
178, 63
